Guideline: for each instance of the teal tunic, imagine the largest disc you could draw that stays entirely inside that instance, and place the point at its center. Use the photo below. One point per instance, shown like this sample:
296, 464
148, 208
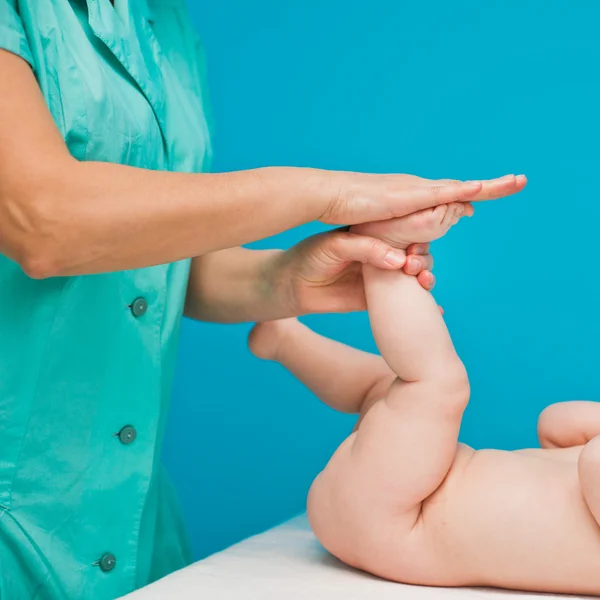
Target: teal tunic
86, 362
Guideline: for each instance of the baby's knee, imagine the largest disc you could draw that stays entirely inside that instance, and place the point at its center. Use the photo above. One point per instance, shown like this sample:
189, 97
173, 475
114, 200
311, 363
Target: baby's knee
450, 387
560, 426
452, 384
549, 426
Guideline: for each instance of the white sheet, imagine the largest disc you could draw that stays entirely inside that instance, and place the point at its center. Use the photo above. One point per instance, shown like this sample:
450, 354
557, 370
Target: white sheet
287, 563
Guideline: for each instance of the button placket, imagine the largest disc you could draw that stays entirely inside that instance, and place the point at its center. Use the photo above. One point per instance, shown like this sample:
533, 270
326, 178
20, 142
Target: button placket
143, 300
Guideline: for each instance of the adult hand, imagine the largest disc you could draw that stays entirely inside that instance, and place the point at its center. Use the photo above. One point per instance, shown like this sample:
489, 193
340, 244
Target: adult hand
360, 198
323, 273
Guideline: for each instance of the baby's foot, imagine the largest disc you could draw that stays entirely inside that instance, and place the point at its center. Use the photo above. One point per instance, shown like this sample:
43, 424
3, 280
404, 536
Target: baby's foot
265, 339
420, 227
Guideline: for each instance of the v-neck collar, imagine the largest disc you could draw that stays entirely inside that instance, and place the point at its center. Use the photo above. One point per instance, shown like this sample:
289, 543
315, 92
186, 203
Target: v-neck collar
133, 45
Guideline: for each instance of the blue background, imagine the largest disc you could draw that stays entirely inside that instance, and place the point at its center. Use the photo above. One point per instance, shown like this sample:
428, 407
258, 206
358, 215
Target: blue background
465, 89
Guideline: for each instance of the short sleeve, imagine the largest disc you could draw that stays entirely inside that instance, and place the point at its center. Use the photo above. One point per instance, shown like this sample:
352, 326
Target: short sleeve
12, 31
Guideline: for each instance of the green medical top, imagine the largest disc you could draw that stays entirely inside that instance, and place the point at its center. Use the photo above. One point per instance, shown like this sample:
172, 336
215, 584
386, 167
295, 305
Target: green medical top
86, 362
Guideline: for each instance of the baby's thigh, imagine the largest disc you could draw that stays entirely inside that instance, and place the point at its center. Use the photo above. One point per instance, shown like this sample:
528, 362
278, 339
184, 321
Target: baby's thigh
352, 507
401, 453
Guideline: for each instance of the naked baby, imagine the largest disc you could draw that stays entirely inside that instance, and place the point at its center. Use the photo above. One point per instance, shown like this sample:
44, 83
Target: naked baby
401, 498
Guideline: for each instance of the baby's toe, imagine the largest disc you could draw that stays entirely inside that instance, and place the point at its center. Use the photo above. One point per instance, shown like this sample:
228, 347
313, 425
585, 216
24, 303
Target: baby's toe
449, 216
438, 215
458, 212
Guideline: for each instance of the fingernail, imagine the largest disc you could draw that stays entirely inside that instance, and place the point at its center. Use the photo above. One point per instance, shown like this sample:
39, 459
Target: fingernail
521, 178
395, 259
420, 251
414, 264
507, 177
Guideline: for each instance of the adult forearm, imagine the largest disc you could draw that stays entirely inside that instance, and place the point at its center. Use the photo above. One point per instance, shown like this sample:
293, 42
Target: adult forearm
237, 285
98, 217
59, 216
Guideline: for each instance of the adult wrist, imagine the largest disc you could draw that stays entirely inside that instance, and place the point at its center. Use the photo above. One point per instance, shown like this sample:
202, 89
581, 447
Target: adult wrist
312, 190
274, 286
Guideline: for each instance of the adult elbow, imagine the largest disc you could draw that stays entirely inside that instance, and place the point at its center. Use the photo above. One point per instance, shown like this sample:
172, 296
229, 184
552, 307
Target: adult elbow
32, 231
37, 258
37, 264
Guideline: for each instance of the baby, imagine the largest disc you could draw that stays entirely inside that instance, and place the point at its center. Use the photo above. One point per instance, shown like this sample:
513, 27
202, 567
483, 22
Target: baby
401, 498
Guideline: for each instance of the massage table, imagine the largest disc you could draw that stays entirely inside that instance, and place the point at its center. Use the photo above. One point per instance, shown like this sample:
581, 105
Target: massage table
287, 563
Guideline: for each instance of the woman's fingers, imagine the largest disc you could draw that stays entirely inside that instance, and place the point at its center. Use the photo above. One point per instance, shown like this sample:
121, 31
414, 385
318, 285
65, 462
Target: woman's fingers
426, 279
499, 188
359, 198
427, 195
417, 263
348, 247
337, 250
491, 189
418, 249
409, 200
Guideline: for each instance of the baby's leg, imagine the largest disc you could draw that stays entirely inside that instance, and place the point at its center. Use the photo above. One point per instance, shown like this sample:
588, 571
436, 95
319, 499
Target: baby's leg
568, 424
589, 476
342, 377
413, 435
407, 443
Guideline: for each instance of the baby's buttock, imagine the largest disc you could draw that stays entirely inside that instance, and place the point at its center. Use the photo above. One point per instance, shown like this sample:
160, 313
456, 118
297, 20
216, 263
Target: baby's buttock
512, 519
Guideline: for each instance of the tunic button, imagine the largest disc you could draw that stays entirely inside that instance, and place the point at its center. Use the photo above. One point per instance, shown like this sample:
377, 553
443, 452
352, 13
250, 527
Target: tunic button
139, 307
127, 435
107, 562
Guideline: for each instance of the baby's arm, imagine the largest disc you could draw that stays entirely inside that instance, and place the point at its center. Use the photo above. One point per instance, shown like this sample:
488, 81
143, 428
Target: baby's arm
342, 377
568, 424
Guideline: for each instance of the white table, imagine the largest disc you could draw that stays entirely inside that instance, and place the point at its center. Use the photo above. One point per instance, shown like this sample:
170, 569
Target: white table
287, 563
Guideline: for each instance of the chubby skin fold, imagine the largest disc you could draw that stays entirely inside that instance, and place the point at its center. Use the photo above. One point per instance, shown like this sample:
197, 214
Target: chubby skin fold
401, 497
